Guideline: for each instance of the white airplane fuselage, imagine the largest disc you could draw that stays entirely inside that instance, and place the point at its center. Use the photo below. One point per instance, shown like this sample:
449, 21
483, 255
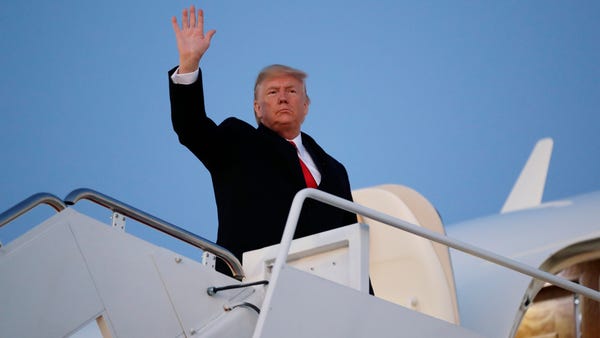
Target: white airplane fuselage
551, 236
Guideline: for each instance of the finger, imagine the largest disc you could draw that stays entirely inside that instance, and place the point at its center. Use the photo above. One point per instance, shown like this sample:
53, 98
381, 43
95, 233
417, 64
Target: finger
210, 34
201, 21
185, 20
175, 25
192, 16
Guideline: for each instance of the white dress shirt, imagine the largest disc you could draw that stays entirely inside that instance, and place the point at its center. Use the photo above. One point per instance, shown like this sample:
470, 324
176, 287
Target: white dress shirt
185, 79
306, 158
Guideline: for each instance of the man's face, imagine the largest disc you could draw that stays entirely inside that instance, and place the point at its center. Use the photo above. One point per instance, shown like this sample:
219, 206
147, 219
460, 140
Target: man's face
281, 105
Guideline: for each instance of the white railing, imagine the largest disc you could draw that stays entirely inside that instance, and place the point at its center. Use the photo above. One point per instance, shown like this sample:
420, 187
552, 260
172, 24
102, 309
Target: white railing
341, 203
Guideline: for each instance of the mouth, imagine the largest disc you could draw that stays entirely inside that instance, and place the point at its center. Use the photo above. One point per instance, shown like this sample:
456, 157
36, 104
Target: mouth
284, 111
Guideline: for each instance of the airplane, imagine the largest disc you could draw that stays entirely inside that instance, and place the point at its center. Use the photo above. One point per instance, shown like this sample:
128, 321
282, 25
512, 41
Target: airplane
530, 271
561, 237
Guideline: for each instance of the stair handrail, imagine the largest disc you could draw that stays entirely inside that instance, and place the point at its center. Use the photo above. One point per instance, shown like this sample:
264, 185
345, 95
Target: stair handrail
29, 203
143, 217
302, 195
338, 202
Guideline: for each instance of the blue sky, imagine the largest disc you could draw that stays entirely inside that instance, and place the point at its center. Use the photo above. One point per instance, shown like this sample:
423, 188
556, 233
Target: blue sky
446, 97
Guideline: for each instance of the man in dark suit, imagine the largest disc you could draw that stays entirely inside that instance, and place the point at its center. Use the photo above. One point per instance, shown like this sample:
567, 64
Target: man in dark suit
255, 171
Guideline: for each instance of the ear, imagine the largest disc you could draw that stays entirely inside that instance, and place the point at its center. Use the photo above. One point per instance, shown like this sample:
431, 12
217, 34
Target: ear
305, 106
257, 111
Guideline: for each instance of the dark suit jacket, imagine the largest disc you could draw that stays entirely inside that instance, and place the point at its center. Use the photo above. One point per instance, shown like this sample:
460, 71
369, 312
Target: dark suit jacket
255, 174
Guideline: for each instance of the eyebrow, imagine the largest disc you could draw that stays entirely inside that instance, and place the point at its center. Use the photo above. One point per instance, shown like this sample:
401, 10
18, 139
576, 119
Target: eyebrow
286, 87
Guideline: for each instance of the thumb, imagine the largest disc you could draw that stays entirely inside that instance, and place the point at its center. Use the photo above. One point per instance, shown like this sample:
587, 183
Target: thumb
210, 34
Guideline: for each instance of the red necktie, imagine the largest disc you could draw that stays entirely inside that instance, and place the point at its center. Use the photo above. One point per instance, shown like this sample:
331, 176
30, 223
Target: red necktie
308, 177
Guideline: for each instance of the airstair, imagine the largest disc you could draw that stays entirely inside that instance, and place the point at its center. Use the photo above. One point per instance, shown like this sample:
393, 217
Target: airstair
72, 270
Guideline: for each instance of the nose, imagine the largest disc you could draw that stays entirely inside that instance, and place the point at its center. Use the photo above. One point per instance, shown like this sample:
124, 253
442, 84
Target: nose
282, 98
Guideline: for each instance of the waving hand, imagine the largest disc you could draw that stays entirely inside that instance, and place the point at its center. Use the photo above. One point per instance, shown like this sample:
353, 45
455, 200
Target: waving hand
192, 43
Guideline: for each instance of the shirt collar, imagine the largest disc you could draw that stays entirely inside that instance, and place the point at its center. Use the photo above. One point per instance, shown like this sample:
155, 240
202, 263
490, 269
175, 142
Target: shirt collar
299, 145
297, 140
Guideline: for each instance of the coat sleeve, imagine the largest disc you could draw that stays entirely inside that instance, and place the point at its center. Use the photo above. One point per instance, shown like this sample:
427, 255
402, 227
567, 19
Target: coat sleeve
194, 128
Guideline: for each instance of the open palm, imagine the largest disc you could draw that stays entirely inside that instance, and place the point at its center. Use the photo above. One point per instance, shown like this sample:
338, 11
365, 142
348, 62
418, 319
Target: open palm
192, 43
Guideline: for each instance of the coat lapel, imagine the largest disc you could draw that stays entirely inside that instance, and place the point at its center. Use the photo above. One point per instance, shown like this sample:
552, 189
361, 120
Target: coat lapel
318, 155
284, 154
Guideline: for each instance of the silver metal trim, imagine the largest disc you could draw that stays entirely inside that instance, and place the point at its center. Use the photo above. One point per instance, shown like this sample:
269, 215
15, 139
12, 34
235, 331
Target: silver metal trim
29, 203
341, 203
158, 224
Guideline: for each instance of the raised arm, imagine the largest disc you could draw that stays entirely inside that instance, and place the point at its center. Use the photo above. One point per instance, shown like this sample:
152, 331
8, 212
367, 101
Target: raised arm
192, 43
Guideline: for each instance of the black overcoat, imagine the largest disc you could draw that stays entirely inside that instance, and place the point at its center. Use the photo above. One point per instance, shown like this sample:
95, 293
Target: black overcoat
255, 175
